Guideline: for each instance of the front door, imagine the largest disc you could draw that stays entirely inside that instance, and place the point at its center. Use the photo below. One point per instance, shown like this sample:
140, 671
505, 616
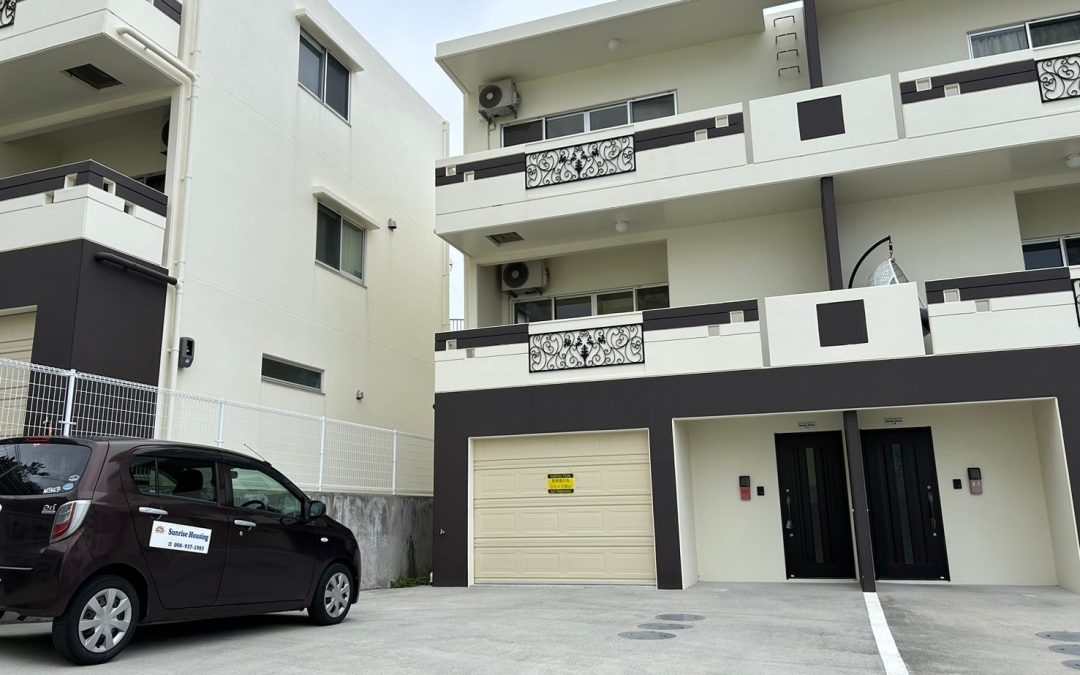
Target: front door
905, 505
814, 511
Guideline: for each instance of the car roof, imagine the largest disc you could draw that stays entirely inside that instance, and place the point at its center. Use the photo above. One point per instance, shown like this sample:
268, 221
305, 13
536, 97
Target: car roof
124, 443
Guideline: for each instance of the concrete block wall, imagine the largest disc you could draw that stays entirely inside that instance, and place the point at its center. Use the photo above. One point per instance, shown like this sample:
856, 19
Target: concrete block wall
395, 534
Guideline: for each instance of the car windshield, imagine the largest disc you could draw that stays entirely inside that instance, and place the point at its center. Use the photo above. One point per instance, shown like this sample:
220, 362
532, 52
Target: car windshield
41, 468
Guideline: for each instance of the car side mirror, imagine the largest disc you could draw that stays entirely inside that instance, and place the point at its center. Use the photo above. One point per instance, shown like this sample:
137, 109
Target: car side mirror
316, 510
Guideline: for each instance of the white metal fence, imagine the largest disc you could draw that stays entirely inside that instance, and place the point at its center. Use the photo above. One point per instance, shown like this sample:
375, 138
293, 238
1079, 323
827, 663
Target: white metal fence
317, 453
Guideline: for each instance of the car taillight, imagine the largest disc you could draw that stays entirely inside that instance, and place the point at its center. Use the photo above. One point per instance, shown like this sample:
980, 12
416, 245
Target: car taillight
69, 518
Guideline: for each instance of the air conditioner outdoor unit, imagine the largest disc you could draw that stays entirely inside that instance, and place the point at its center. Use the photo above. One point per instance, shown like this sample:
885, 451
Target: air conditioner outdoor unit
498, 99
519, 277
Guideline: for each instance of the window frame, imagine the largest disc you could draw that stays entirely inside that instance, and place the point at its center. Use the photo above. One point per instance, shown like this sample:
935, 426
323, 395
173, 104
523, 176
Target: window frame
293, 385
592, 294
344, 222
158, 454
1060, 241
1026, 25
324, 71
587, 114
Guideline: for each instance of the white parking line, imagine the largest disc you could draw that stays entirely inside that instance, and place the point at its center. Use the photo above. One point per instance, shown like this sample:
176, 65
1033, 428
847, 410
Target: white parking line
890, 655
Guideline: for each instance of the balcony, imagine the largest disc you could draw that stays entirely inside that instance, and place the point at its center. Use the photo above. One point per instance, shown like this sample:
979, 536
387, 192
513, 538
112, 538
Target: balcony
42, 41
85, 200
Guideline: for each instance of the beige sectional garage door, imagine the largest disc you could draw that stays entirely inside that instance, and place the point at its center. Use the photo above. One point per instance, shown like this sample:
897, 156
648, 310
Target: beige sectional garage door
602, 533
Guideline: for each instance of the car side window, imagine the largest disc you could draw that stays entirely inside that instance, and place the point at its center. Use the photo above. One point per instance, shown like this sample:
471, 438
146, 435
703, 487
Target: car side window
175, 477
258, 491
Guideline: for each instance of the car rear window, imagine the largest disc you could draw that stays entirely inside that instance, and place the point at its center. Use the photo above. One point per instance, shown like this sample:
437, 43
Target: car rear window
41, 468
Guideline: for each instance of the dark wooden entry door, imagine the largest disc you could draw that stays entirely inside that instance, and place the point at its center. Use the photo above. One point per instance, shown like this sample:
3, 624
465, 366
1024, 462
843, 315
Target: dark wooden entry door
905, 505
814, 508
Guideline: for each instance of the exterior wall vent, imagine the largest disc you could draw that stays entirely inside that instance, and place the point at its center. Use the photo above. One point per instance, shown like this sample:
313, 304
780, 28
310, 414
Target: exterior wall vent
93, 76
505, 238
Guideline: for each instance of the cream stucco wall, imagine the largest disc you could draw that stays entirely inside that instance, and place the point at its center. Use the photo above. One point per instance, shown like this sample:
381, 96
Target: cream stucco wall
1059, 504
910, 34
1049, 213
1003, 535
260, 146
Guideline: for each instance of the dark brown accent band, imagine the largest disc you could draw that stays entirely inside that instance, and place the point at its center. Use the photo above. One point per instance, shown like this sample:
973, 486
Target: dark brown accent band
979, 79
484, 337
86, 173
1031, 282
698, 315
170, 8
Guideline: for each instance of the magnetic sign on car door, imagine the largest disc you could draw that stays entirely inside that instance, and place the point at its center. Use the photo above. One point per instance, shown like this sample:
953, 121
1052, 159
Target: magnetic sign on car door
180, 537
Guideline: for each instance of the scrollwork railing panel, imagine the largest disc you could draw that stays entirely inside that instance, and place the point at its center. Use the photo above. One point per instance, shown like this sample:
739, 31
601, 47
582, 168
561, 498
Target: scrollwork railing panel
586, 348
1059, 77
7, 13
580, 162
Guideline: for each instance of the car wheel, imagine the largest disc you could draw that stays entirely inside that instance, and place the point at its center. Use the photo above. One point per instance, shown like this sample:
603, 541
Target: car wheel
333, 596
98, 622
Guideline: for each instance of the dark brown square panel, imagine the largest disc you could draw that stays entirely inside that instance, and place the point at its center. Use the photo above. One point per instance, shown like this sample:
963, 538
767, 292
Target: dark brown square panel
821, 117
842, 323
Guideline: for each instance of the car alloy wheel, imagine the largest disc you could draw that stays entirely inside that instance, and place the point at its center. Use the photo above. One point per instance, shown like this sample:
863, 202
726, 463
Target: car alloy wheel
337, 595
105, 620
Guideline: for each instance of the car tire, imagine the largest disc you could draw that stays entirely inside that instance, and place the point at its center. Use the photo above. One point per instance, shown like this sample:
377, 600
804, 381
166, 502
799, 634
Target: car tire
333, 596
99, 621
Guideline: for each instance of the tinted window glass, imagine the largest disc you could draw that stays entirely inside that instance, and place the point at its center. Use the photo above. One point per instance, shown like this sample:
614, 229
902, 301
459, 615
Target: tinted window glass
613, 303
999, 41
293, 374
352, 251
653, 108
1072, 251
328, 238
566, 125
607, 117
652, 298
533, 310
337, 86
144, 473
1055, 31
36, 469
253, 489
572, 308
174, 477
1041, 255
311, 66
526, 132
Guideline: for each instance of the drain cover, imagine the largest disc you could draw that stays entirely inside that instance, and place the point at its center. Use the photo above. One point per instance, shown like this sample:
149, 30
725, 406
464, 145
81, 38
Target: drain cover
1072, 650
679, 617
1060, 636
646, 635
1074, 664
670, 626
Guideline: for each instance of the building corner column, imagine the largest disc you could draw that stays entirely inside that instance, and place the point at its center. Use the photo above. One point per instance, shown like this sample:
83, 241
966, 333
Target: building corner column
860, 508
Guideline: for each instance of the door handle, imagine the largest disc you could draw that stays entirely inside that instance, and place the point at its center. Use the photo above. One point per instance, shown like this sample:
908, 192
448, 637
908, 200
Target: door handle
244, 523
150, 511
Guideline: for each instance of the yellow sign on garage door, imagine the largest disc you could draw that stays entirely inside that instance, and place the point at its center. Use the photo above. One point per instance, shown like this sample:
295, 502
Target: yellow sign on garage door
560, 483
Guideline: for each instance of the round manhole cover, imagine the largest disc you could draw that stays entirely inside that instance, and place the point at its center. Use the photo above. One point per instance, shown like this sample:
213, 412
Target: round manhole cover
664, 626
1060, 636
646, 635
1072, 650
1074, 664
679, 617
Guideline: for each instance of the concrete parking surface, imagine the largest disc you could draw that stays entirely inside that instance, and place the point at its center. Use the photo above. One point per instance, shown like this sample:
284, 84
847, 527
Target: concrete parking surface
747, 628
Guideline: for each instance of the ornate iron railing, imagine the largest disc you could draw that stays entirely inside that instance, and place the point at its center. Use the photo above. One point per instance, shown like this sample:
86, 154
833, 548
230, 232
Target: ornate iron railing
1059, 77
586, 348
580, 162
7, 13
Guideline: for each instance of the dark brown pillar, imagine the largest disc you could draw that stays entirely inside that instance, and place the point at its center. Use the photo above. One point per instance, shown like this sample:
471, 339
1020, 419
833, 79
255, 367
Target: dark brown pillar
864, 548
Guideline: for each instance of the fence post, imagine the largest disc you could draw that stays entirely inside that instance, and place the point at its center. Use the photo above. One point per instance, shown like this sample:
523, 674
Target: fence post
393, 484
221, 423
322, 453
69, 404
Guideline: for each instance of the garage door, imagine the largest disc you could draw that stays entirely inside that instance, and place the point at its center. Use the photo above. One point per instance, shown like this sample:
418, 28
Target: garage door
16, 344
17, 336
526, 530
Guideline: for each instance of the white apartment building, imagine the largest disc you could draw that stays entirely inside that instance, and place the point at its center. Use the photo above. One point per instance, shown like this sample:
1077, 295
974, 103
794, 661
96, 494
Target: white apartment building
675, 367
226, 198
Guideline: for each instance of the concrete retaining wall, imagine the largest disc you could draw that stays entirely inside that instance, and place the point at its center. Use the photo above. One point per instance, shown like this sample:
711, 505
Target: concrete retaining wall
395, 533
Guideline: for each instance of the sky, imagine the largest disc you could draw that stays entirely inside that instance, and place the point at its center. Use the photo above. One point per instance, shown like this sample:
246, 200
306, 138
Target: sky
405, 32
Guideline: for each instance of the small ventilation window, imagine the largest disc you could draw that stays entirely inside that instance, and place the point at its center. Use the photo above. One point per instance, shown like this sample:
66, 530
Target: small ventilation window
505, 238
93, 76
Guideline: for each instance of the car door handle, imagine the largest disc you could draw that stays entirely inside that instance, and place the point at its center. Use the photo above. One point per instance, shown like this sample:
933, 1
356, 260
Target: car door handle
244, 523
151, 511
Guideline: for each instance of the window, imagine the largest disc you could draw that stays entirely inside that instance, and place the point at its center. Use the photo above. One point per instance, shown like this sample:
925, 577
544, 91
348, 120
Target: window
255, 490
1040, 33
40, 468
284, 372
154, 181
324, 76
175, 477
591, 304
1057, 252
605, 117
339, 244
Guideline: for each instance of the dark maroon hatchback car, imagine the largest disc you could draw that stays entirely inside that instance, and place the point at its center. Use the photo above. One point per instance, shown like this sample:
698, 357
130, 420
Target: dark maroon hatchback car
102, 536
